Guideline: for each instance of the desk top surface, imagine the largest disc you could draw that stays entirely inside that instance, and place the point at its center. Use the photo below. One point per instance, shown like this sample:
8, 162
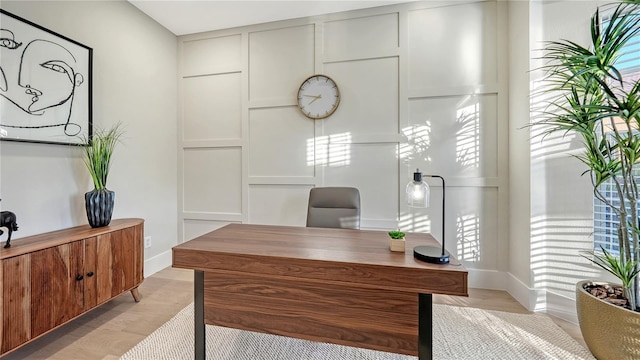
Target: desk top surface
324, 244
245, 244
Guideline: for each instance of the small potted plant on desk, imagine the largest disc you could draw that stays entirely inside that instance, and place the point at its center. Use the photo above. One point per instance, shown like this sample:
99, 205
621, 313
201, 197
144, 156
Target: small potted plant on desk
397, 241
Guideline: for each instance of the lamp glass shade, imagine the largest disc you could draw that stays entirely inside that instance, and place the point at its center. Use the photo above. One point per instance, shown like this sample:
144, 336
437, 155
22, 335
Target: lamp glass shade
418, 194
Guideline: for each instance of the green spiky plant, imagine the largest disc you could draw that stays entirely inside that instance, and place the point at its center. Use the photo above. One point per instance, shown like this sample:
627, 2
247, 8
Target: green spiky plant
395, 234
627, 271
97, 154
590, 97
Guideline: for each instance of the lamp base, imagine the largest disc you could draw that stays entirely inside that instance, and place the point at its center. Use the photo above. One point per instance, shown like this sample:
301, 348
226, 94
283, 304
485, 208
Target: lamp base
431, 254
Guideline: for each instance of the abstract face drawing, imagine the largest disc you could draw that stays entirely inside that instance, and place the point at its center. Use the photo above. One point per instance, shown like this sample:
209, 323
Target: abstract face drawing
8, 44
47, 75
42, 75
45, 84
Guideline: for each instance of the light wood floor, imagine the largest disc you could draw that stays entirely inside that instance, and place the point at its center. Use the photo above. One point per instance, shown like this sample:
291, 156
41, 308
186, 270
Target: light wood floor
113, 328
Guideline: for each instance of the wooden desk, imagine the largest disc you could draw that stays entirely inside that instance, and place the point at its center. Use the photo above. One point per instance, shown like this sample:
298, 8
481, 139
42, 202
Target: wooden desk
340, 286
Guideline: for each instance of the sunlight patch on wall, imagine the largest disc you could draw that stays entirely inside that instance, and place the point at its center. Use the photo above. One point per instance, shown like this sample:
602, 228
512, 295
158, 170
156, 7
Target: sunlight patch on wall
468, 136
545, 146
415, 222
470, 46
418, 142
329, 150
468, 237
556, 243
556, 144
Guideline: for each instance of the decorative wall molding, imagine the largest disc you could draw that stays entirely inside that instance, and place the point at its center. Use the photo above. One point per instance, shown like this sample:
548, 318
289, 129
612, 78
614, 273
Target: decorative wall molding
402, 107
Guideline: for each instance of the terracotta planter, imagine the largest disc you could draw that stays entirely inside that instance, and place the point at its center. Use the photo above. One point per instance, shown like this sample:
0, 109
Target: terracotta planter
99, 206
610, 331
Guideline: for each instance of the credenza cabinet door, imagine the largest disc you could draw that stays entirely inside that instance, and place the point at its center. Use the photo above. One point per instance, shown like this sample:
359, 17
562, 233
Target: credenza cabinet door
113, 264
16, 296
41, 290
126, 257
57, 284
91, 275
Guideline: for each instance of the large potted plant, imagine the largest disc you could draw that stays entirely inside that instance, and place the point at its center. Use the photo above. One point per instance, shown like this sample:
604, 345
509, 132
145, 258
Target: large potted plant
589, 96
97, 157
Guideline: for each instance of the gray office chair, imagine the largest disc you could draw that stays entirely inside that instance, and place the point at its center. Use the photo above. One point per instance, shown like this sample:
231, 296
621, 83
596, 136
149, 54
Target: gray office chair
334, 207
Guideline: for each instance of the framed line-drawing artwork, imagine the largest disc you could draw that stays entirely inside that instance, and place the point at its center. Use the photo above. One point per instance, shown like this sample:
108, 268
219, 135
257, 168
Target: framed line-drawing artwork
45, 84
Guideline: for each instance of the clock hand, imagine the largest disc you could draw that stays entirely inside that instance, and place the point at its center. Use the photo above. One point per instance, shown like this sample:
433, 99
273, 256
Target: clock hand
315, 98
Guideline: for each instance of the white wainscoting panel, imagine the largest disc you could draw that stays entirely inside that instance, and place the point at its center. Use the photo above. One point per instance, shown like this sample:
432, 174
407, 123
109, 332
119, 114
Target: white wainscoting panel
453, 46
195, 228
455, 136
278, 204
212, 107
361, 37
422, 86
476, 226
212, 180
211, 55
471, 222
373, 169
279, 61
369, 97
281, 142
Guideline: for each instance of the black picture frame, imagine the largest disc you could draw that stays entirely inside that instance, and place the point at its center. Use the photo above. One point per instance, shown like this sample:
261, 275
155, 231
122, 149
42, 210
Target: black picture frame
46, 82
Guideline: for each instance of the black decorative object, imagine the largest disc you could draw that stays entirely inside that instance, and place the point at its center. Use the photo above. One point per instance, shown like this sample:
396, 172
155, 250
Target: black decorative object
8, 220
99, 205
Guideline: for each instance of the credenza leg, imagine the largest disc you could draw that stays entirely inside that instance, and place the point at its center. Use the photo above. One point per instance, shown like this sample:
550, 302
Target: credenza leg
425, 327
136, 295
198, 301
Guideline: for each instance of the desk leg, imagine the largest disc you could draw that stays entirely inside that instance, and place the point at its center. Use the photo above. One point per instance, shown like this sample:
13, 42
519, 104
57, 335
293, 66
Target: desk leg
425, 327
198, 301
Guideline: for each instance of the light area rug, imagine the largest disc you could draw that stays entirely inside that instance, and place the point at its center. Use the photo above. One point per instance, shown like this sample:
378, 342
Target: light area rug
458, 333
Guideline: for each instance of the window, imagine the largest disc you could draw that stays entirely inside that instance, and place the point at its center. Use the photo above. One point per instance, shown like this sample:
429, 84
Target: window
605, 222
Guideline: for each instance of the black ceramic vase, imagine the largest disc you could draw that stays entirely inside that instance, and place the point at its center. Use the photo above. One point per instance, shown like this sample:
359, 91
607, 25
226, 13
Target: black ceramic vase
99, 205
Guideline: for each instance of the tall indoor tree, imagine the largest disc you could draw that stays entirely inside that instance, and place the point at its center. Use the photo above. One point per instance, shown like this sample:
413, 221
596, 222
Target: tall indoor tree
590, 96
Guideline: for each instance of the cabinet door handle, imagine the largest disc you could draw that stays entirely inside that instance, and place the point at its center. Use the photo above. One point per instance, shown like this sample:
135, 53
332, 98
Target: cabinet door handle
90, 274
79, 277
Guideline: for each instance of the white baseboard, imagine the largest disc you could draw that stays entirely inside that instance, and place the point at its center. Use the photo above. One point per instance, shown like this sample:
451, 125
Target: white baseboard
487, 279
542, 300
562, 307
157, 263
532, 299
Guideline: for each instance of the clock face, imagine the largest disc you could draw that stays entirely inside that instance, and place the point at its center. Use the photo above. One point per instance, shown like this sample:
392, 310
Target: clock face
318, 97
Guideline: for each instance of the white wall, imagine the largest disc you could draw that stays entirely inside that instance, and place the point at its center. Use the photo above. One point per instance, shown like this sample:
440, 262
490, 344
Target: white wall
561, 199
551, 214
423, 85
519, 280
134, 82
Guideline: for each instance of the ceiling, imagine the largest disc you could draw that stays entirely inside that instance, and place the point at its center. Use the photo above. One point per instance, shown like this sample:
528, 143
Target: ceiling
183, 17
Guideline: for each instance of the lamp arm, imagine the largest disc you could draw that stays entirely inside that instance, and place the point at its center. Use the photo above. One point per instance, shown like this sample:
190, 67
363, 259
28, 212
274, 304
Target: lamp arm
443, 202
430, 254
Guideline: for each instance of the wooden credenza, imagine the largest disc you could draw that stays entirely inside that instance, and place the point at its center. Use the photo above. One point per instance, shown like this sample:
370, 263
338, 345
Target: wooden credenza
49, 279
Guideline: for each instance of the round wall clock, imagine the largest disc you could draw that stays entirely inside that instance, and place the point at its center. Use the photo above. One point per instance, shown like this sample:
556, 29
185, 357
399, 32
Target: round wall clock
318, 97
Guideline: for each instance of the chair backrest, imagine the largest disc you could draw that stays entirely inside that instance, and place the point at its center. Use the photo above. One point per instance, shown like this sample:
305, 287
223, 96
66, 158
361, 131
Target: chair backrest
334, 207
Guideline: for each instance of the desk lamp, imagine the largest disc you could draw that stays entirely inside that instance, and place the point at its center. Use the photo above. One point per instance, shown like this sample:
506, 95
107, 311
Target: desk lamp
418, 194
